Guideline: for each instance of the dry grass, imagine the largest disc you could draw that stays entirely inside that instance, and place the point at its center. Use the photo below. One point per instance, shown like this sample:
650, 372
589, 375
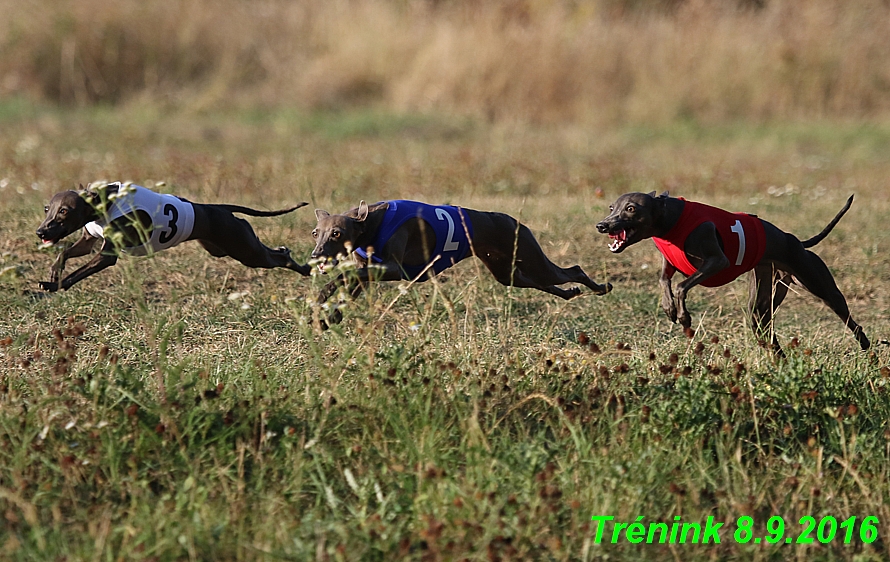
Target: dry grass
596, 61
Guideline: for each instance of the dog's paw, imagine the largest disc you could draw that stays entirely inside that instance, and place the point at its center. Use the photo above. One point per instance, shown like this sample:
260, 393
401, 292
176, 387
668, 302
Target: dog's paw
603, 289
50, 286
335, 317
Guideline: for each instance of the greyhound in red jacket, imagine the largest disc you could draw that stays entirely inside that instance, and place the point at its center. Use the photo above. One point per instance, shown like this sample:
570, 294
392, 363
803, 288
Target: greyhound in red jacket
712, 247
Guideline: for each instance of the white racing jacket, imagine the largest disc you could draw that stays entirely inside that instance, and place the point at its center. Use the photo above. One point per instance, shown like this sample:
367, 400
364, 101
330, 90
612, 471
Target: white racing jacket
172, 218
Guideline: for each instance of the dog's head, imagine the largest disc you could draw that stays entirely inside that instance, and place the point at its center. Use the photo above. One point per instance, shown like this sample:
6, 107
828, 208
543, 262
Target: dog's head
633, 217
67, 212
336, 235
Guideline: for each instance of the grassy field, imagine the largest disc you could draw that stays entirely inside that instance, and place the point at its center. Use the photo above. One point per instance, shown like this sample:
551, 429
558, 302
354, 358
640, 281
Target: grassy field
182, 407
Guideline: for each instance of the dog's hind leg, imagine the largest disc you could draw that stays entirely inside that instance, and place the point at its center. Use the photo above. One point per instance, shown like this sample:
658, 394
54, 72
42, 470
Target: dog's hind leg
500, 267
237, 240
530, 267
534, 265
767, 289
810, 271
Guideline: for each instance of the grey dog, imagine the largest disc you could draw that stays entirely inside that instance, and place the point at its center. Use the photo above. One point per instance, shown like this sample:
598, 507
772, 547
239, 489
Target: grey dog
412, 240
712, 247
136, 220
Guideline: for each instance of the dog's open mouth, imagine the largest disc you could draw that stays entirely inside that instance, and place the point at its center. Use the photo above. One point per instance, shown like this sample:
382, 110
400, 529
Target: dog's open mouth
619, 239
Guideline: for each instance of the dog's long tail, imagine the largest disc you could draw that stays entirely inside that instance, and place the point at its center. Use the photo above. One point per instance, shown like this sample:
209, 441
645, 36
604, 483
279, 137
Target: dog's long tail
254, 213
825, 231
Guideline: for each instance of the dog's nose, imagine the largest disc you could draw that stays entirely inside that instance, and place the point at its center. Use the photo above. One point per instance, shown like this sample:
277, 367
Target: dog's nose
602, 227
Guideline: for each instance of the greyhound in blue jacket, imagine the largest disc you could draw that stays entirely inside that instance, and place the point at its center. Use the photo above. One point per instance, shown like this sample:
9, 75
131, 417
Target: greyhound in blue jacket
410, 240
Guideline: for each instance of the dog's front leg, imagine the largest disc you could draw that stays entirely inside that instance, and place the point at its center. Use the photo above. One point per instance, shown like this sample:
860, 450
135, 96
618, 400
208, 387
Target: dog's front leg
703, 247
387, 271
328, 290
80, 248
667, 296
105, 258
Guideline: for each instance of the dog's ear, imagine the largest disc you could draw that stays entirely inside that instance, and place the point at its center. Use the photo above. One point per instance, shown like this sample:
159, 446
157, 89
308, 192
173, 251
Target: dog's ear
659, 205
664, 194
362, 212
651, 194
321, 213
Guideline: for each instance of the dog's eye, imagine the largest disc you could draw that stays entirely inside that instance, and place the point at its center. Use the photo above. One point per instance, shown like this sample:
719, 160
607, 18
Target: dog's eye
335, 234
315, 234
630, 208
63, 211
46, 208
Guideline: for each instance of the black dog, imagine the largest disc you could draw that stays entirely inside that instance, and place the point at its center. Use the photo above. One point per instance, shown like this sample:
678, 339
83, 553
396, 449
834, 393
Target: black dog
136, 220
712, 247
414, 240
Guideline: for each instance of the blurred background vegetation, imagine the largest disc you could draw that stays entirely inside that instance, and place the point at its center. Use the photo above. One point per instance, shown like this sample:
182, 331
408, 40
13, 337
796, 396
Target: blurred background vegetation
596, 62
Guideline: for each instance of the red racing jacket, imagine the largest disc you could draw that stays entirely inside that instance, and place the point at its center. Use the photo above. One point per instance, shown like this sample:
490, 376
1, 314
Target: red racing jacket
744, 241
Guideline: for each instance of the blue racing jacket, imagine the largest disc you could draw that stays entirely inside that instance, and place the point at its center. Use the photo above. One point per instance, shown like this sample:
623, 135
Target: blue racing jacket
450, 225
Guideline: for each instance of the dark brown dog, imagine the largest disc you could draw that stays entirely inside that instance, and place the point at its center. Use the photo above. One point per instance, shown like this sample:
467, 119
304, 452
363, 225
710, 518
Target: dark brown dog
133, 219
419, 240
717, 251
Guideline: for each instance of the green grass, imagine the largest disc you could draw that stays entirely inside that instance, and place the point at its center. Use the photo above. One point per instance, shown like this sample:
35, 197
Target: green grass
183, 408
